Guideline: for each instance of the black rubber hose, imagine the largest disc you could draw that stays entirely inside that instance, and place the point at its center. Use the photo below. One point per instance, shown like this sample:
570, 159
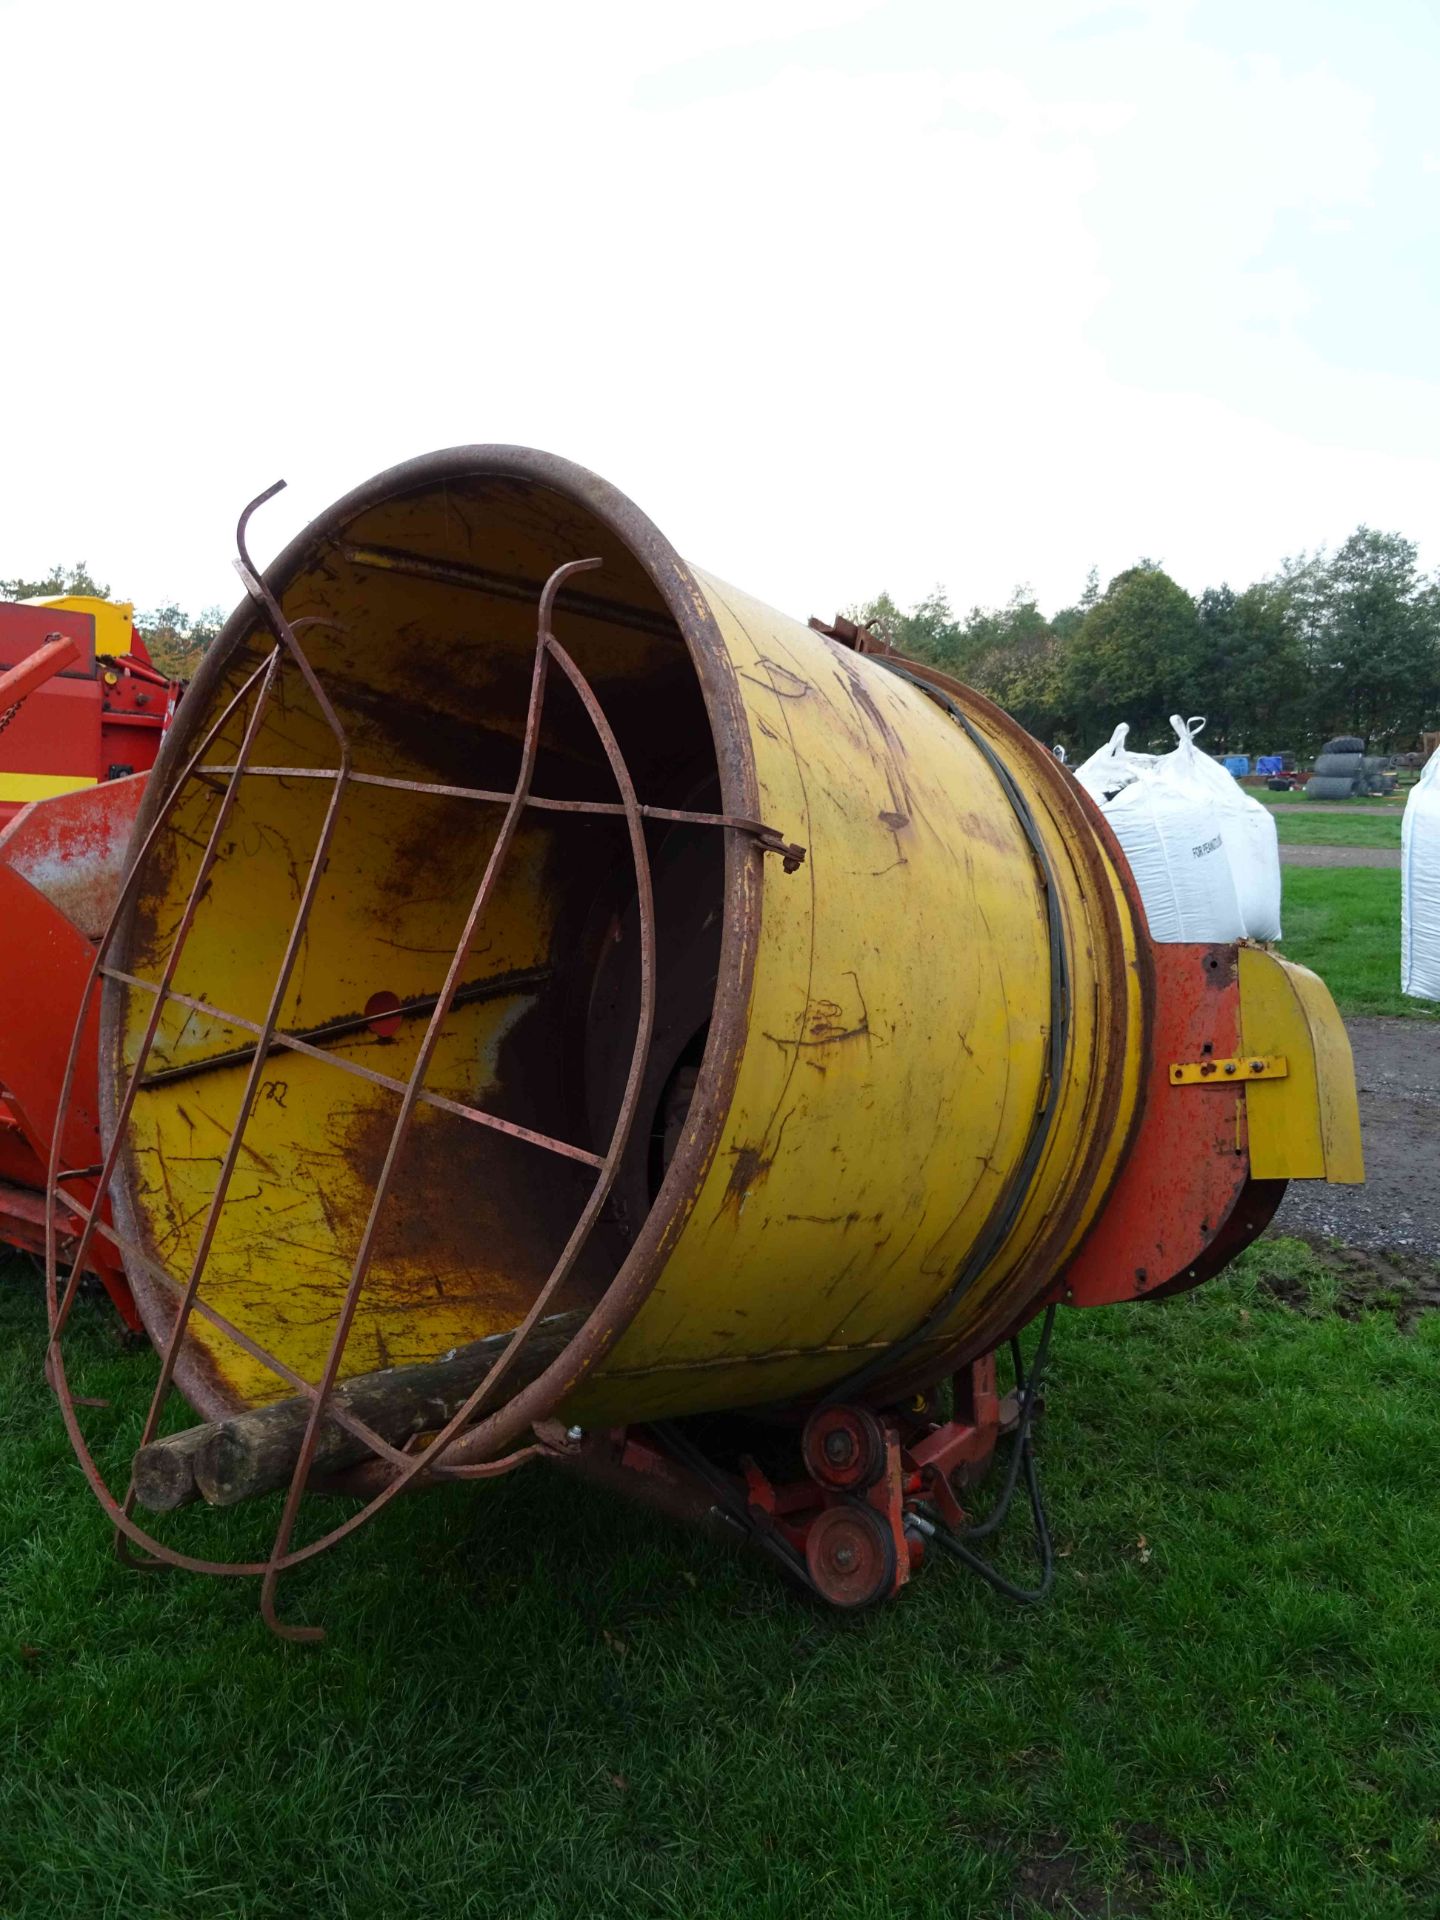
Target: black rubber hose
1026, 1596
1029, 1395
1022, 1459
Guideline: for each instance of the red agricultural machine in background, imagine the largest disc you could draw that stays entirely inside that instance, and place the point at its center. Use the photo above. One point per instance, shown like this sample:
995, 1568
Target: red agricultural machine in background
74, 720
83, 710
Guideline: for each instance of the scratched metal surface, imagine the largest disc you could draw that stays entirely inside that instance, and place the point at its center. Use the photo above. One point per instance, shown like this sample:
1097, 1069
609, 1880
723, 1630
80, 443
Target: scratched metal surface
878, 1047
895, 1054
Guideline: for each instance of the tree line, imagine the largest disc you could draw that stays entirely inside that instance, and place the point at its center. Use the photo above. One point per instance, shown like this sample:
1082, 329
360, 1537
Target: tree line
176, 640
1342, 642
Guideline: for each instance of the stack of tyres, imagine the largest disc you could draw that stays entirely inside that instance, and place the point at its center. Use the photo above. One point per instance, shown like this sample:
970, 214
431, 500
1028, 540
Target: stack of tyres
1339, 771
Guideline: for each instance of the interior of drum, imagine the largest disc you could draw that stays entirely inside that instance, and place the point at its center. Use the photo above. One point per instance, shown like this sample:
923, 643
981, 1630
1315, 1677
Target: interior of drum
424, 644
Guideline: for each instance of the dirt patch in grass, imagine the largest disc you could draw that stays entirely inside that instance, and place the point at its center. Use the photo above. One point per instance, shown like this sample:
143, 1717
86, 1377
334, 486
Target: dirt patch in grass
1353, 1281
1053, 1876
1052, 1879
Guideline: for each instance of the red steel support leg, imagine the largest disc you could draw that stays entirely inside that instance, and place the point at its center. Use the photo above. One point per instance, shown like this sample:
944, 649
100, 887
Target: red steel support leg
842, 1527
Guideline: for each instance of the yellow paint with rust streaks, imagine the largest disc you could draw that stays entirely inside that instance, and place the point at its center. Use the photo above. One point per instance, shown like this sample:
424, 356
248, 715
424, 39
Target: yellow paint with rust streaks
897, 1045
897, 1039
304, 1179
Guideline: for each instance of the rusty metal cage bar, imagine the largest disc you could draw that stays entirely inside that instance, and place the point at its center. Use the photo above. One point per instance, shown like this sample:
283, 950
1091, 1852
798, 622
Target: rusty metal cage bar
189, 1297
431, 1461
265, 673
409, 1099
58, 1308
135, 1255
768, 837
285, 635
405, 1467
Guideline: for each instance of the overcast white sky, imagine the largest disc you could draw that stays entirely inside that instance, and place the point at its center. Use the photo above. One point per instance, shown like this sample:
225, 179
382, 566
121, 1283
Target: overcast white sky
845, 295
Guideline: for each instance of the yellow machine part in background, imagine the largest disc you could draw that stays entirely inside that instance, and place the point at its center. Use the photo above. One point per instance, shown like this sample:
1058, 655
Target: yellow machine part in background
114, 619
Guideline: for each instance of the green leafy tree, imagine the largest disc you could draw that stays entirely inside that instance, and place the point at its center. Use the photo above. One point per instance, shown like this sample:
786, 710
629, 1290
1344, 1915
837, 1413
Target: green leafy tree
177, 642
1136, 656
1068, 621
1011, 654
929, 632
76, 579
1006, 653
1369, 627
1250, 680
1335, 643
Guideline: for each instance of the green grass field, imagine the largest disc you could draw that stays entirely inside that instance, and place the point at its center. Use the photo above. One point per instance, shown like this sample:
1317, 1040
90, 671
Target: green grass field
534, 1702
1344, 922
1339, 830
1391, 803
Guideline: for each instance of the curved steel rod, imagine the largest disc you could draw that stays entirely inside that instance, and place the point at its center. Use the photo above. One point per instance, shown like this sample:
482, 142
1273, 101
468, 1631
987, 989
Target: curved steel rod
405, 1468
58, 1310
419, 1464
498, 852
286, 639
251, 1089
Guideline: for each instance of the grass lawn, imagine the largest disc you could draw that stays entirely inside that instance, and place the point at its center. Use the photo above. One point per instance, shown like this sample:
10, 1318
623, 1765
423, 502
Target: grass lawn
535, 1702
1344, 923
1339, 830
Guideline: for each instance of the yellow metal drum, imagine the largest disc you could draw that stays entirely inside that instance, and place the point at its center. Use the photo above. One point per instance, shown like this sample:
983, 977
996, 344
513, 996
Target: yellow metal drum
914, 1057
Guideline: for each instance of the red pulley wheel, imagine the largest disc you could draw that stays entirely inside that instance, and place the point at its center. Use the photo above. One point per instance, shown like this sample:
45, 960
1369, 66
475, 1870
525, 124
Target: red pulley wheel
843, 1447
850, 1552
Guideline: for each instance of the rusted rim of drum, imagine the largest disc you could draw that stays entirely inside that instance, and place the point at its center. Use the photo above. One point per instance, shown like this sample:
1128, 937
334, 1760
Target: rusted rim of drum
743, 879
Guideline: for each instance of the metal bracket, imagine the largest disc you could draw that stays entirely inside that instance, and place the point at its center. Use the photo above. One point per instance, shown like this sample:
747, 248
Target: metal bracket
848, 634
1212, 1073
770, 840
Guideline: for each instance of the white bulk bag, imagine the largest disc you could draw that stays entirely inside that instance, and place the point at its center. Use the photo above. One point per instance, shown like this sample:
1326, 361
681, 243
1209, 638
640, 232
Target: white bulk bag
1420, 886
1250, 839
1112, 766
1174, 837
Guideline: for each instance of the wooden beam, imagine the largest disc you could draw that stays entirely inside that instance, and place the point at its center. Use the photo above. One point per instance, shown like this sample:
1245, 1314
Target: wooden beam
227, 1461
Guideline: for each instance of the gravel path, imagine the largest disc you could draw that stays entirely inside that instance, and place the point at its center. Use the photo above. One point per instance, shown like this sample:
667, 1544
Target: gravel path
1323, 809
1339, 856
1397, 1067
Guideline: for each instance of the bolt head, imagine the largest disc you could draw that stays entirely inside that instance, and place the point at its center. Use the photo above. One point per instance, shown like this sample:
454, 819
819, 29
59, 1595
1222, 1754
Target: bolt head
839, 1447
574, 1433
845, 1558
